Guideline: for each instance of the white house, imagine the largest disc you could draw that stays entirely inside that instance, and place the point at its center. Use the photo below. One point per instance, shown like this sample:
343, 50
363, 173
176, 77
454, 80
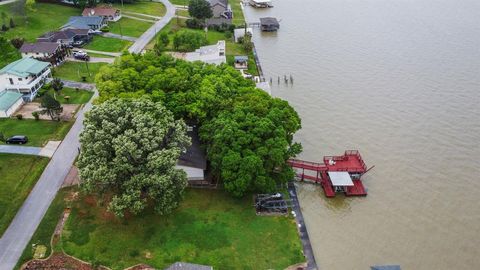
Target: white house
25, 76
213, 54
10, 102
109, 13
240, 33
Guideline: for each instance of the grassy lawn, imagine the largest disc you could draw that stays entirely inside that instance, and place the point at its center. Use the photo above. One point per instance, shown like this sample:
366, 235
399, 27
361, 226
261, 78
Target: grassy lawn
46, 228
38, 132
47, 17
208, 228
129, 27
19, 173
180, 2
75, 70
144, 7
75, 97
238, 18
182, 12
108, 44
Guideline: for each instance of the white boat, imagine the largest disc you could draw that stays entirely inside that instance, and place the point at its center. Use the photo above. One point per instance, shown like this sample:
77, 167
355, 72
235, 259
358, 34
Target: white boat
261, 3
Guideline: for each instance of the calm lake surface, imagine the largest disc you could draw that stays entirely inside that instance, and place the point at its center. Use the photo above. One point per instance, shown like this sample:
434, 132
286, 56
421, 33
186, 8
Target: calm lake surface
398, 80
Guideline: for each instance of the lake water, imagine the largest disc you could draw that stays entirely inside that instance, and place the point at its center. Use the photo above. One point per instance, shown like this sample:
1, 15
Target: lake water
398, 80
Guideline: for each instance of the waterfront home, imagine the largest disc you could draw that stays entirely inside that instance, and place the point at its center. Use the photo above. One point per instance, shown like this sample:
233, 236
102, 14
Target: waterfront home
25, 76
261, 3
222, 13
212, 54
239, 33
10, 102
67, 37
51, 52
109, 13
193, 161
269, 24
241, 62
90, 22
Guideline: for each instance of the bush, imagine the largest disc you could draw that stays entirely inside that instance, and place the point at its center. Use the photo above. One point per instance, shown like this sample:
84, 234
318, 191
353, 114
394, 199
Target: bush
19, 116
2, 137
4, 28
194, 24
188, 40
105, 29
228, 35
47, 86
17, 42
12, 24
36, 115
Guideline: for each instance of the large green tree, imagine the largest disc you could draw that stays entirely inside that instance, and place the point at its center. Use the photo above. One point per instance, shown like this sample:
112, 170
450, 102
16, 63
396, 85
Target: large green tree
247, 134
129, 151
51, 107
200, 9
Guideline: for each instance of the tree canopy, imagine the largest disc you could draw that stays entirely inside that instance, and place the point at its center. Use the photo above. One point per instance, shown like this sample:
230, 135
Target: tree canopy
200, 9
247, 134
188, 40
129, 151
9, 53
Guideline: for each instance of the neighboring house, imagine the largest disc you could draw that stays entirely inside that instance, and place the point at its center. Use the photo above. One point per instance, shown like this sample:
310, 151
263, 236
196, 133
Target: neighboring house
193, 161
67, 36
109, 13
240, 33
222, 13
25, 76
10, 102
261, 3
269, 24
241, 62
51, 52
213, 54
89, 22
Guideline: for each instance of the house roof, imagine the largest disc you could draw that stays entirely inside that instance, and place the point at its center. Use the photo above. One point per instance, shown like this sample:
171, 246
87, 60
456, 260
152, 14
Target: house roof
269, 21
241, 58
63, 34
7, 99
194, 156
223, 3
24, 67
340, 178
188, 266
39, 47
81, 22
100, 11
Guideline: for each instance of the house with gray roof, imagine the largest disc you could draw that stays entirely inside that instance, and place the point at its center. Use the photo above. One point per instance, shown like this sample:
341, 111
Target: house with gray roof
25, 76
51, 52
222, 12
87, 22
67, 36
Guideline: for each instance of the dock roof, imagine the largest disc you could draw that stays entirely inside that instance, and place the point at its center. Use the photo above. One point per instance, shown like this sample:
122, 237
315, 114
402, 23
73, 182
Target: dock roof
340, 178
270, 21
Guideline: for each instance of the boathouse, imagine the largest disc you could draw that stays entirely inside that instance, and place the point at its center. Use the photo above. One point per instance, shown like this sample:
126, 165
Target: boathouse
269, 24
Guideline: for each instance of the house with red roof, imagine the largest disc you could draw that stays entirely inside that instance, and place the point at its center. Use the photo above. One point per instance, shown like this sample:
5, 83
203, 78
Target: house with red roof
109, 13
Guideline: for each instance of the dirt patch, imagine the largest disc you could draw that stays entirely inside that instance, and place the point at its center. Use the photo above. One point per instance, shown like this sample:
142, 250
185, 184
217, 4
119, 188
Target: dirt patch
298, 266
27, 109
72, 177
58, 261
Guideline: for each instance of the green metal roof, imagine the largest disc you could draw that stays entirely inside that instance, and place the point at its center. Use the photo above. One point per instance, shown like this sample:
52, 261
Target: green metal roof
7, 99
24, 67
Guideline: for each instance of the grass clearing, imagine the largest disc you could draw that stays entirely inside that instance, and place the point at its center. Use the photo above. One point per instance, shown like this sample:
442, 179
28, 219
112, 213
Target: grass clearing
19, 173
45, 18
75, 97
144, 7
180, 2
38, 132
46, 228
209, 227
182, 12
129, 27
74, 71
105, 44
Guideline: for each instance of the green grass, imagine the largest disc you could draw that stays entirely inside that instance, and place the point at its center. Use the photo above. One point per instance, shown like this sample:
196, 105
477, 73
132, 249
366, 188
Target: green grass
129, 27
208, 228
182, 12
238, 17
38, 132
104, 44
144, 7
180, 2
73, 71
19, 173
46, 228
75, 97
45, 18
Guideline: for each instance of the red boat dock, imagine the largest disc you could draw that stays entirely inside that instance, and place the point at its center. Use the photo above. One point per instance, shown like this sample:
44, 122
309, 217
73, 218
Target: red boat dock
337, 173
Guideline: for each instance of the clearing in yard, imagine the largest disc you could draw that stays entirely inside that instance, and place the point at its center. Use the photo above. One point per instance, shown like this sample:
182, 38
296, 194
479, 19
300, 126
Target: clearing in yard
19, 173
144, 7
105, 44
209, 227
129, 27
74, 96
45, 18
74, 71
38, 132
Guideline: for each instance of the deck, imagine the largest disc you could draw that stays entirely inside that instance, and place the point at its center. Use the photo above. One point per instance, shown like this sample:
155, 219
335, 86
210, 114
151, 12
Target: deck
351, 162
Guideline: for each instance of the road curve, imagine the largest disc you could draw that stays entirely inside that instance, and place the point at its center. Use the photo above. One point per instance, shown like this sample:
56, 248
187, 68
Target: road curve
144, 39
21, 229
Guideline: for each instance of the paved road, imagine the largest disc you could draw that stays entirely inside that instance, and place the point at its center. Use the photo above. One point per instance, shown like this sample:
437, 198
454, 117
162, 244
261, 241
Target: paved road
139, 19
79, 85
141, 14
143, 40
117, 36
24, 150
109, 60
114, 54
18, 234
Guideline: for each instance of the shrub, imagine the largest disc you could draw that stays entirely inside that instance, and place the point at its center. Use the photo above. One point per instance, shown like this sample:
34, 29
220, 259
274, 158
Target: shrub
17, 42
4, 28
228, 35
12, 24
2, 137
105, 29
36, 115
188, 40
194, 24
19, 116
42, 92
47, 86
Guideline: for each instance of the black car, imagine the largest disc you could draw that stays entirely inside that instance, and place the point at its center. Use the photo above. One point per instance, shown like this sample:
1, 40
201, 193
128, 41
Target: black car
17, 139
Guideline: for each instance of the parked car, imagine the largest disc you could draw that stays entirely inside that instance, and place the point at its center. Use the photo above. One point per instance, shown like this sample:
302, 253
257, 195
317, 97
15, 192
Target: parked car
19, 139
81, 55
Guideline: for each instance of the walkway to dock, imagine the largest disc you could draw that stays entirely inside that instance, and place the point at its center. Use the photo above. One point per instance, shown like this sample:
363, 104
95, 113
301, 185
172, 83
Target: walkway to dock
307, 247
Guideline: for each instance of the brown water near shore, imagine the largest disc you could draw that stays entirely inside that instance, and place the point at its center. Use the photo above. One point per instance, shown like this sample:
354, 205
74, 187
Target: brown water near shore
400, 81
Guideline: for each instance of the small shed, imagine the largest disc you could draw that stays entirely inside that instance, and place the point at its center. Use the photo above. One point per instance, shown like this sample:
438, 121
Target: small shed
240, 33
241, 62
10, 102
269, 24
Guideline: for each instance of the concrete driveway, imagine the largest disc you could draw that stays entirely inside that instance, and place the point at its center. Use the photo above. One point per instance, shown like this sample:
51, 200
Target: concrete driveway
47, 151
